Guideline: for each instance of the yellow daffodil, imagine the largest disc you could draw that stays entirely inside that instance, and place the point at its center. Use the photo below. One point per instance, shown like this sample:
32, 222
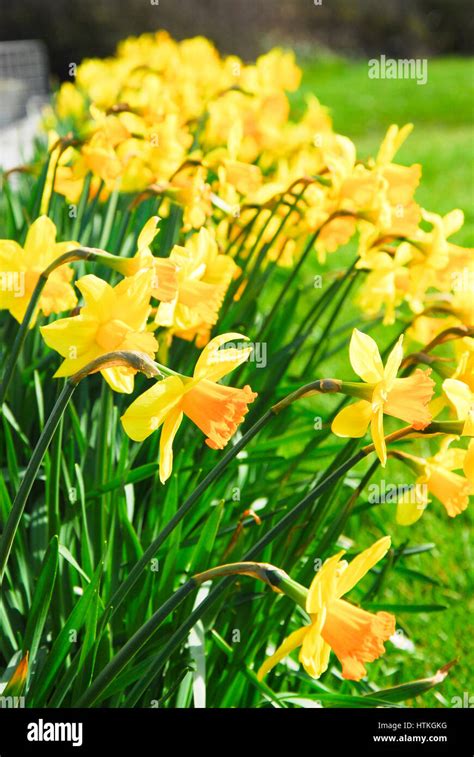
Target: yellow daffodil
436, 476
355, 635
165, 278
21, 267
459, 391
215, 409
112, 318
387, 283
203, 278
405, 398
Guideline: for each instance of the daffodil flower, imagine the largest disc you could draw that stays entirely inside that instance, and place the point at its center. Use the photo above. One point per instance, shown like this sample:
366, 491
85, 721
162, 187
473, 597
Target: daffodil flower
165, 271
355, 635
203, 278
215, 409
404, 398
461, 397
436, 476
21, 267
113, 318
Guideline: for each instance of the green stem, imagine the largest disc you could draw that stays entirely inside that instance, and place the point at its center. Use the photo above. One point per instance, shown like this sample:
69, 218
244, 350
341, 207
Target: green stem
269, 574
323, 386
182, 632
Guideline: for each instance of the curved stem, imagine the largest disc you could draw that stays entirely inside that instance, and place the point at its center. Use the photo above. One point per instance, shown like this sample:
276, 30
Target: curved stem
271, 575
324, 385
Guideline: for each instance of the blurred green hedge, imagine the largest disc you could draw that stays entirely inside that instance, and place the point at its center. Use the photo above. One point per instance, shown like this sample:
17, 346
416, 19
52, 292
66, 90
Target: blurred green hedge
74, 29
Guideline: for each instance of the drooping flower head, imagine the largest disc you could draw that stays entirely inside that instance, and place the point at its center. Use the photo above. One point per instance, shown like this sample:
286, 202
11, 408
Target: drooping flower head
112, 318
215, 409
404, 398
437, 476
355, 635
203, 278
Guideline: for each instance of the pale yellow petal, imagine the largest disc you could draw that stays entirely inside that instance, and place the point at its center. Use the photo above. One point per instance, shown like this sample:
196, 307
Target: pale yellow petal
168, 433
40, 242
365, 357
293, 641
149, 410
361, 565
98, 296
460, 396
378, 438
352, 421
393, 364
148, 233
214, 363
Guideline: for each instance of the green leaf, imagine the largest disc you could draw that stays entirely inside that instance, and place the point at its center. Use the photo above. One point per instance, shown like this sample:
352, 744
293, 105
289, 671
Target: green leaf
41, 600
42, 686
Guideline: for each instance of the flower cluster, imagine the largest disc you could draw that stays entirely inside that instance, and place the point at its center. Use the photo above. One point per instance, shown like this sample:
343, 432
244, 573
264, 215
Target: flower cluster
213, 145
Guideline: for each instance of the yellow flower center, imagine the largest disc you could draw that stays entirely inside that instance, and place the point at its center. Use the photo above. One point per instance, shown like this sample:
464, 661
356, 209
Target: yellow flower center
111, 334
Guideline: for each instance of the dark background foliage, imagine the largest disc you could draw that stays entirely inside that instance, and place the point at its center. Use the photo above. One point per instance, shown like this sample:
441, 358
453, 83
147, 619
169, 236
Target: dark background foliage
74, 29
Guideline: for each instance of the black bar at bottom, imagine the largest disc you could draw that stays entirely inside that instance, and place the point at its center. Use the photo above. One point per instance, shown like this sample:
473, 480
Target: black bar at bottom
371, 731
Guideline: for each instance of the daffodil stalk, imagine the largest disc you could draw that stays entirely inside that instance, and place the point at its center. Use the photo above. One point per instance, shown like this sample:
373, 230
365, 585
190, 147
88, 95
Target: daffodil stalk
274, 577
92, 254
322, 386
135, 360
182, 632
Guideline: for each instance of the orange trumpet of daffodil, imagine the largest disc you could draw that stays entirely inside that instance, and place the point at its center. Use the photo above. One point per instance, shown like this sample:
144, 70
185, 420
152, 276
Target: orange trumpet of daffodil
113, 318
21, 267
355, 635
216, 410
404, 398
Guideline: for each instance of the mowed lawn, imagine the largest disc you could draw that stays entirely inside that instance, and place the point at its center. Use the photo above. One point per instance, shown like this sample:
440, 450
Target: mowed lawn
442, 141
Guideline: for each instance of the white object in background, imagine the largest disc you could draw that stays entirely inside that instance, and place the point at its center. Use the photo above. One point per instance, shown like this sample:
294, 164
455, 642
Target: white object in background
17, 139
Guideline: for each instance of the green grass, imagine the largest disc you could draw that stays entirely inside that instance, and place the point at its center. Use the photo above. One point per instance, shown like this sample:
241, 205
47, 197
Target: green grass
442, 112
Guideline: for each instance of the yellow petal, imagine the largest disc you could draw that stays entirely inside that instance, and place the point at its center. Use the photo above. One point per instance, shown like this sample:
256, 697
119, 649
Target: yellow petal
148, 233
132, 299
352, 421
98, 296
408, 512
40, 241
120, 379
378, 438
393, 364
293, 641
361, 565
460, 396
71, 337
214, 363
469, 463
315, 651
168, 433
149, 410
365, 357
323, 586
